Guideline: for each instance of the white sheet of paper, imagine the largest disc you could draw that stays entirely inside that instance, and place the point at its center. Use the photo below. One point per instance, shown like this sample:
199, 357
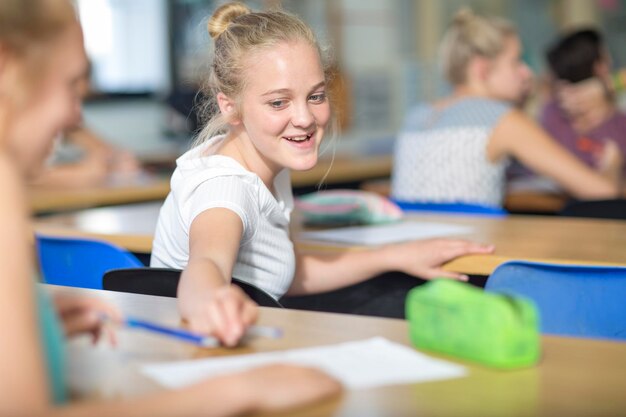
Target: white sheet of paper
389, 233
358, 365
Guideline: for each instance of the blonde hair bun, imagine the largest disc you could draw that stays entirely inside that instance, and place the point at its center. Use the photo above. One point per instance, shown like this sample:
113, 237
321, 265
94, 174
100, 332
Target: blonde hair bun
463, 16
471, 35
224, 16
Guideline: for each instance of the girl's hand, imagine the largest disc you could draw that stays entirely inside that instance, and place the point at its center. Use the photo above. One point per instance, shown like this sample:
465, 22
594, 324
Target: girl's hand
424, 258
610, 161
278, 387
225, 314
84, 315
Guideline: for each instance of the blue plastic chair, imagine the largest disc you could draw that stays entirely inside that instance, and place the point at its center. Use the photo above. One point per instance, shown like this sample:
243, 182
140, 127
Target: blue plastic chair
452, 208
79, 262
573, 300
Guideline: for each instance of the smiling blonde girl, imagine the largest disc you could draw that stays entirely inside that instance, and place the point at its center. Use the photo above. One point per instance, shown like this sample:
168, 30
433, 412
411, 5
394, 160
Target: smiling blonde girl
229, 209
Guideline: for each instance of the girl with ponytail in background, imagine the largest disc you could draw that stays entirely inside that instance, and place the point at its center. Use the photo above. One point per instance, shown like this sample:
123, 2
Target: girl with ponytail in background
457, 149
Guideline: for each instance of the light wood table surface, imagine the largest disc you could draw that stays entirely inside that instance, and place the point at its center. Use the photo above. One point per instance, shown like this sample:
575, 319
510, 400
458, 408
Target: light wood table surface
341, 170
130, 226
344, 170
534, 202
46, 199
551, 239
533, 238
516, 200
575, 377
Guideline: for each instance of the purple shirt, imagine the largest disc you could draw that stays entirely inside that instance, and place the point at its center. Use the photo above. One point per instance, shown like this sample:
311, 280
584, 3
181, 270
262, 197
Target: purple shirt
556, 123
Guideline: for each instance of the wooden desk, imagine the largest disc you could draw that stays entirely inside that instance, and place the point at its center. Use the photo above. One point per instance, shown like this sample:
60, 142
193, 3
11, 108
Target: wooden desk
130, 226
534, 202
557, 239
44, 199
516, 201
575, 377
534, 238
534, 195
342, 170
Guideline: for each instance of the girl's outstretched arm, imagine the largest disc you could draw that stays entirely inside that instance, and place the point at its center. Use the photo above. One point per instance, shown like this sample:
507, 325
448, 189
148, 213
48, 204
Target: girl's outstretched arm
205, 297
421, 258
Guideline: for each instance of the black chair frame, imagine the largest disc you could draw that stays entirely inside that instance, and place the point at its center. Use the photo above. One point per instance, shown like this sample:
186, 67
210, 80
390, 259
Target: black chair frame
164, 282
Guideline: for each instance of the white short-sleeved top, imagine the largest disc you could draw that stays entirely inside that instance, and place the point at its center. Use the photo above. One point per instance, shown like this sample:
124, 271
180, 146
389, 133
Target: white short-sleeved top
203, 180
440, 156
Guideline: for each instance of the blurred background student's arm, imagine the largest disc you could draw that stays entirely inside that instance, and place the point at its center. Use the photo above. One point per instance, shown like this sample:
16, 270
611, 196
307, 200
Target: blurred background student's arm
97, 163
520, 137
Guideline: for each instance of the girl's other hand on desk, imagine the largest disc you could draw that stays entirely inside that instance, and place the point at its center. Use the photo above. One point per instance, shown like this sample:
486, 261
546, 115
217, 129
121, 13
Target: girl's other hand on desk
84, 315
425, 258
226, 314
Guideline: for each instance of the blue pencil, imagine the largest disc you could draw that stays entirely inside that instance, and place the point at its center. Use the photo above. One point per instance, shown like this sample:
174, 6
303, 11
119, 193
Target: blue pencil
198, 339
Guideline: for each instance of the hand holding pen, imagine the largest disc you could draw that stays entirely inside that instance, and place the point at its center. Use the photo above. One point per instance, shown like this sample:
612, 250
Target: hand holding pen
195, 338
185, 335
96, 314
225, 314
225, 319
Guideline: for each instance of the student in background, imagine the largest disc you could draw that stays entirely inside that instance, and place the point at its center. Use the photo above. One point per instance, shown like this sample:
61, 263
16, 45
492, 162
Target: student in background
84, 159
456, 150
585, 130
41, 62
229, 209
81, 158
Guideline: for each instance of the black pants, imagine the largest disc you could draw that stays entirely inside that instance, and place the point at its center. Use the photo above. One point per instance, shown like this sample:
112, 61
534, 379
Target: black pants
382, 296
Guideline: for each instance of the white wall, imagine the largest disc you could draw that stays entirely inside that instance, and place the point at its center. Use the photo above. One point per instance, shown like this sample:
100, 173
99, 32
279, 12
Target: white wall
127, 42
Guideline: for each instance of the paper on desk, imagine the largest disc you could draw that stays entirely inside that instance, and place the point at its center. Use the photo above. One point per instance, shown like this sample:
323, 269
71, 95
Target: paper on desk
363, 364
389, 233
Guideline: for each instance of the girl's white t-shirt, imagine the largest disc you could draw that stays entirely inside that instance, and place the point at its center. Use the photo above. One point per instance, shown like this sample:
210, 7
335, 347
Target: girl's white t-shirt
203, 180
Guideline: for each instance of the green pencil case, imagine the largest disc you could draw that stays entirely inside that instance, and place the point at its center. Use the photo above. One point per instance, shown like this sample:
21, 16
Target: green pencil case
457, 319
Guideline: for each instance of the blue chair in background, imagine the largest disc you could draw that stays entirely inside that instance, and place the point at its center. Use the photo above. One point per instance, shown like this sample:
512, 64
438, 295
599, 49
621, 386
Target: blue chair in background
573, 300
80, 262
452, 208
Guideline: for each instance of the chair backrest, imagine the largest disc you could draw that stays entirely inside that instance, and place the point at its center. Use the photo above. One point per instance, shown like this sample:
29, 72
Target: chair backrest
573, 300
164, 282
601, 209
452, 208
79, 262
